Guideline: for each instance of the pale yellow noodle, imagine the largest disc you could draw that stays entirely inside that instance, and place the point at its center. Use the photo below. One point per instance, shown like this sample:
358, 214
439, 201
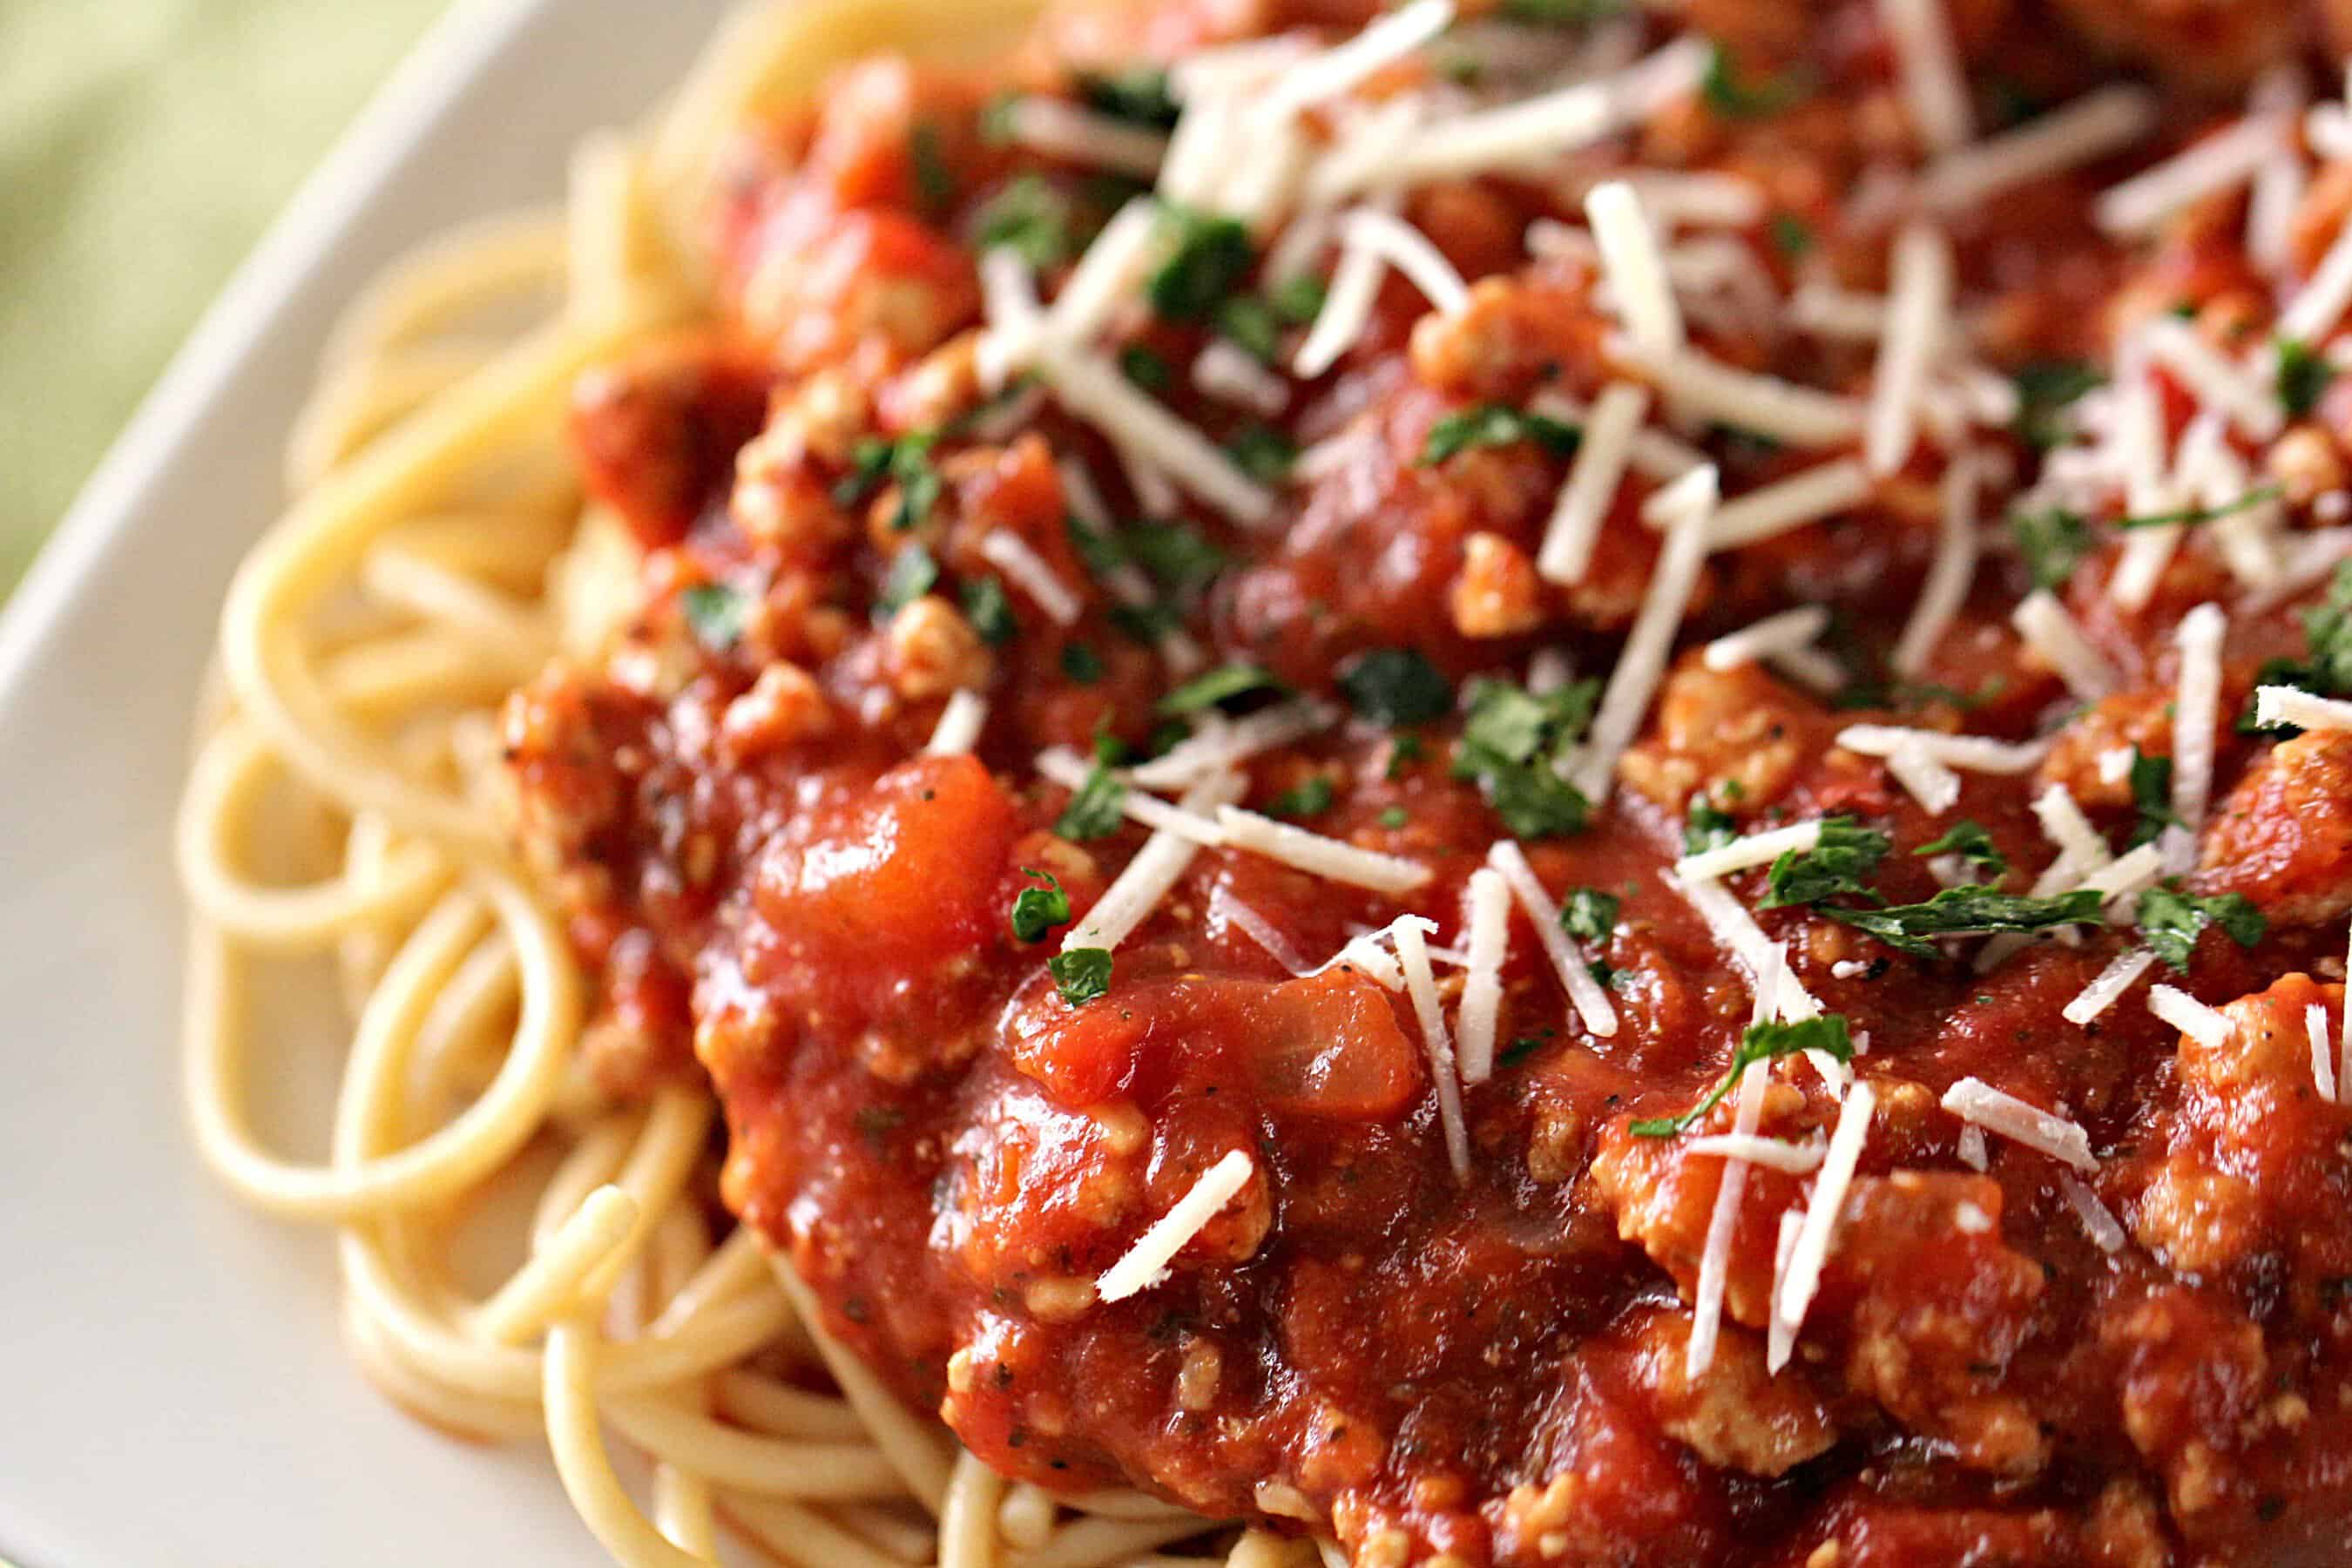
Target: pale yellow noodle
490, 622
968, 1523
1026, 1517
446, 279
803, 1536
570, 1400
914, 1446
751, 1399
553, 1282
354, 409
746, 1462
683, 1510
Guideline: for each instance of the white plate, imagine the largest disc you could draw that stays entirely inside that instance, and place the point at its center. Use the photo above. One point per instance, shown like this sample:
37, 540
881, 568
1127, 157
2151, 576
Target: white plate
172, 1390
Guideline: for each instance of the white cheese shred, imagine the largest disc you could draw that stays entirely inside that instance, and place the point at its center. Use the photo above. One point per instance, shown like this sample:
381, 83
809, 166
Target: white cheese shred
1919, 313
1935, 87
2313, 313
1532, 130
1635, 270
1421, 984
1773, 1153
1781, 1334
1818, 1232
1251, 923
2063, 645
1090, 388
1707, 388
1584, 992
1224, 744
1642, 662
1018, 559
1408, 251
2209, 1026
1971, 1150
1790, 631
1488, 899
1063, 766
2277, 705
1976, 753
2218, 163
1755, 849
2323, 1050
2099, 1221
1346, 311
2089, 127
1954, 567
2196, 712
1996, 1110
1806, 495
1146, 1263
1313, 853
1593, 478
2107, 988
2218, 385
1346, 66
1714, 1260
1075, 134
959, 723
1730, 922
1137, 890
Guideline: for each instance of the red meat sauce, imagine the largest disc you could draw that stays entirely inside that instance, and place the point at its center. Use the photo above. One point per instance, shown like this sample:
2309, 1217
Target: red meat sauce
779, 890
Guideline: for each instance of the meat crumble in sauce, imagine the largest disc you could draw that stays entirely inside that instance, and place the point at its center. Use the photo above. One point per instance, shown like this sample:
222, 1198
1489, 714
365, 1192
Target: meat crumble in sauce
779, 887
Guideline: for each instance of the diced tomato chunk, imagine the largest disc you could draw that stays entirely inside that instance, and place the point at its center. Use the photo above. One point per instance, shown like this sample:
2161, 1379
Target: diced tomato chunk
657, 432
1328, 1044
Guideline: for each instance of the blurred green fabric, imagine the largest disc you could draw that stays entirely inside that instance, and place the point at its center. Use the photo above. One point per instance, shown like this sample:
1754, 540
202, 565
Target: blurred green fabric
144, 144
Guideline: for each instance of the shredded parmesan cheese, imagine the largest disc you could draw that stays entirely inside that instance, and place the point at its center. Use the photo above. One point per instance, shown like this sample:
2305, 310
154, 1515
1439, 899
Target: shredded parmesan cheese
1807, 496
1714, 1260
1137, 890
1973, 1100
2206, 1026
2277, 705
2108, 986
2323, 1050
2218, 385
1075, 135
1319, 856
2217, 162
1707, 388
1787, 632
1794, 1296
1345, 66
1013, 555
1730, 923
958, 730
2314, 310
2063, 645
1488, 902
1412, 957
1920, 303
1522, 133
1247, 920
1407, 249
1642, 662
1946, 588
1755, 849
1226, 370
1224, 744
1093, 389
2196, 712
1977, 753
1593, 481
1935, 87
2098, 1221
1637, 276
2090, 127
1774, 1154
1146, 1263
1063, 766
1584, 992
1346, 311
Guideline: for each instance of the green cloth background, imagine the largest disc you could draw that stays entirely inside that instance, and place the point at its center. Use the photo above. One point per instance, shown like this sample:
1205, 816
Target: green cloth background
144, 144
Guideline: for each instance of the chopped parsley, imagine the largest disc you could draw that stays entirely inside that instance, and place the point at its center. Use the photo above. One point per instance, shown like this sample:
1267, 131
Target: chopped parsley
1840, 864
2170, 922
1970, 841
1174, 555
1512, 744
1496, 425
2190, 516
1968, 911
1147, 368
1562, 13
715, 614
934, 181
1764, 1042
1080, 974
1392, 817
2054, 543
912, 575
2302, 376
1219, 686
1588, 914
2045, 390
906, 462
2326, 669
1028, 217
1297, 299
1036, 911
1096, 808
1310, 797
1207, 260
1728, 95
1139, 96
1792, 237
1262, 452
1707, 826
1081, 663
1395, 686
990, 612
2151, 790
1517, 1051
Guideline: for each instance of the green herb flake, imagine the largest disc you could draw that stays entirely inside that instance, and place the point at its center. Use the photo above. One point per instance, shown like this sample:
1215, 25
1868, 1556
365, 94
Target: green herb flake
1263, 452
1840, 865
906, 462
1207, 259
1249, 320
1562, 13
1036, 911
1588, 914
1298, 300
1730, 95
1496, 425
1705, 826
1512, 743
1792, 237
2045, 390
2193, 515
1096, 807
1396, 686
2151, 790
2327, 668
990, 612
2170, 922
1970, 841
2054, 543
1762, 1042
1968, 911
1220, 685
1517, 1051
1393, 817
1309, 797
912, 575
1080, 974
1147, 368
2302, 376
934, 181
1176, 556
1139, 96
1081, 663
1028, 217
715, 612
